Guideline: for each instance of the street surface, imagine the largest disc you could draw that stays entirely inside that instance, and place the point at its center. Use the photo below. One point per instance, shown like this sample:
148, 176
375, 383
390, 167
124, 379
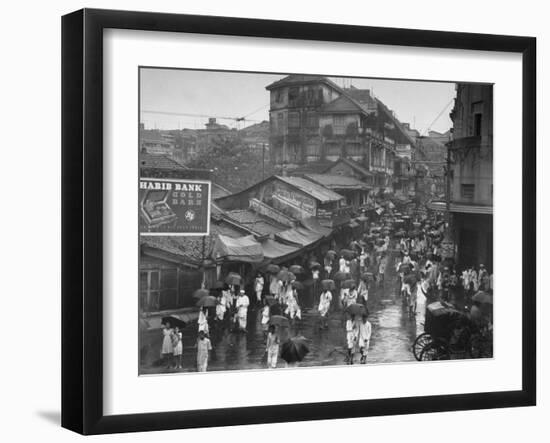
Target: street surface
393, 334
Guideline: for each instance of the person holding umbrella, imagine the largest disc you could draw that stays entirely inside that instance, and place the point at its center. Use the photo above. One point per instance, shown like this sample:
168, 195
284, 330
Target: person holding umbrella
364, 334
203, 321
178, 348
324, 305
351, 337
258, 287
242, 309
272, 347
167, 350
203, 347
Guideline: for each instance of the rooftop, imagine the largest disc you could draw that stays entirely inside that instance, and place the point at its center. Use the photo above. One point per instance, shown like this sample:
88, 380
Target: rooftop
318, 192
352, 164
257, 223
336, 181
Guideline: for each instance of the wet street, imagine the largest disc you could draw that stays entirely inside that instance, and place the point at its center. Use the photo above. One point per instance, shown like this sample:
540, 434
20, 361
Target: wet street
392, 336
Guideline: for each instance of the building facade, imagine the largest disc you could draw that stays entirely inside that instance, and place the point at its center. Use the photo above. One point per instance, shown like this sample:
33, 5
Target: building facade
471, 151
312, 119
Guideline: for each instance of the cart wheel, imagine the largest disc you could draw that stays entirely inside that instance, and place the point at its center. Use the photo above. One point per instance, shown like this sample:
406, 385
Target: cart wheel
434, 351
420, 343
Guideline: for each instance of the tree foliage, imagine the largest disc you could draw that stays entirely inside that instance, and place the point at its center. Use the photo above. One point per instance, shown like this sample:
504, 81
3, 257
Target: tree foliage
236, 165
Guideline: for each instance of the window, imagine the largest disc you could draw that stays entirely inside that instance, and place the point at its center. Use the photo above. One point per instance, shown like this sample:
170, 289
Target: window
467, 191
293, 94
293, 120
280, 121
339, 124
312, 120
477, 125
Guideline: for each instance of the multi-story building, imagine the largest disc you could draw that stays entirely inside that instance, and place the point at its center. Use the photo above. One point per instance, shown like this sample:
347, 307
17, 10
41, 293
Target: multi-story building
471, 151
312, 119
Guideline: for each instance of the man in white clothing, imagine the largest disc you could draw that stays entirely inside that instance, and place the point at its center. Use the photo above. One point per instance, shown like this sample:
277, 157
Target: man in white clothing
242, 309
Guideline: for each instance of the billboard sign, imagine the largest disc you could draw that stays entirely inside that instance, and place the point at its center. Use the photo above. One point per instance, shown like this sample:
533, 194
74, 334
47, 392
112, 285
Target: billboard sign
174, 206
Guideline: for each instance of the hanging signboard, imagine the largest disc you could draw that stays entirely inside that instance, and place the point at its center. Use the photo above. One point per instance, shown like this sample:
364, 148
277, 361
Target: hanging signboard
174, 206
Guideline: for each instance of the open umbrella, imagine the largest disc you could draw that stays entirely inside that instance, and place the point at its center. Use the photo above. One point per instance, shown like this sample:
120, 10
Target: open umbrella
327, 284
331, 253
404, 267
294, 349
314, 264
297, 285
296, 269
285, 275
272, 268
348, 283
218, 285
279, 320
270, 300
173, 321
341, 276
368, 276
348, 254
200, 293
207, 301
356, 309
483, 297
410, 279
233, 279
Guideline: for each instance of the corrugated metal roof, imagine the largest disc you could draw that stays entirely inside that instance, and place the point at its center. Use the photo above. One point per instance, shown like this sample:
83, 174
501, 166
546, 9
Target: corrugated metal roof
336, 181
183, 249
255, 222
314, 190
297, 79
299, 236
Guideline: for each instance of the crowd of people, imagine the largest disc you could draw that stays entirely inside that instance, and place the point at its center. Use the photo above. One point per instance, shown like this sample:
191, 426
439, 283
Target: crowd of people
339, 285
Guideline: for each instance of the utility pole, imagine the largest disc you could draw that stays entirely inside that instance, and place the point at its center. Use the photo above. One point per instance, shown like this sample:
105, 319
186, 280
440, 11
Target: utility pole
263, 161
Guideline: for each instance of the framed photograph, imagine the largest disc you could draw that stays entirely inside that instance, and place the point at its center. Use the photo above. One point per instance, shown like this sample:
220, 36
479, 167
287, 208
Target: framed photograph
270, 221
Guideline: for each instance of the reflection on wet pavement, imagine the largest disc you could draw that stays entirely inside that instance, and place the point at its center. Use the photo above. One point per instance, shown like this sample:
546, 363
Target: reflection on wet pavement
392, 336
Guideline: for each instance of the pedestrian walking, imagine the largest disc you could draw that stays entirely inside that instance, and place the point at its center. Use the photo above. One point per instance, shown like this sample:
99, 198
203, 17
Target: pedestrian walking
324, 305
258, 287
272, 347
363, 292
351, 338
266, 315
167, 350
203, 348
242, 309
364, 334
203, 321
178, 347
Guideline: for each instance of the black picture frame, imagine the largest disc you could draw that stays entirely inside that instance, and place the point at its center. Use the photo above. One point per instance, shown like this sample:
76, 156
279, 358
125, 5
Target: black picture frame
82, 215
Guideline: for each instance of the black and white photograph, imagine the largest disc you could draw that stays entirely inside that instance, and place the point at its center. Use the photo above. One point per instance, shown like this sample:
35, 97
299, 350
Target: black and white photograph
290, 220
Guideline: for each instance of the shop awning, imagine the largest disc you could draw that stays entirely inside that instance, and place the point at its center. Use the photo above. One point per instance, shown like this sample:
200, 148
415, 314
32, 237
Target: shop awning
312, 224
242, 249
299, 236
276, 251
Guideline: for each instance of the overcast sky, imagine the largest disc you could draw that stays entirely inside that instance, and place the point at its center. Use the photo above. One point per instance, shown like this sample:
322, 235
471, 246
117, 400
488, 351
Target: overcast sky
199, 94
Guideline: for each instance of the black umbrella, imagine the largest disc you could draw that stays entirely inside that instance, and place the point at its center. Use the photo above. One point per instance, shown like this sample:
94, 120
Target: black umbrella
327, 284
279, 320
348, 283
331, 253
218, 285
273, 268
341, 276
368, 276
356, 309
483, 297
233, 279
314, 265
297, 285
173, 321
200, 293
347, 253
296, 269
294, 349
207, 301
270, 300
